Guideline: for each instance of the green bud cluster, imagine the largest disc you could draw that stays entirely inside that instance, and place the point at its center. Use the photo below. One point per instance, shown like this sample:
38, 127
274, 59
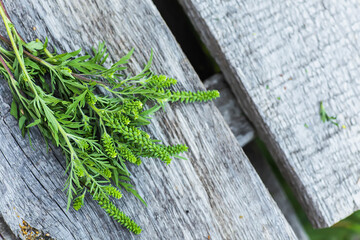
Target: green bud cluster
105, 173
160, 81
136, 137
130, 106
108, 145
113, 191
126, 153
83, 144
118, 215
78, 202
199, 96
90, 98
177, 149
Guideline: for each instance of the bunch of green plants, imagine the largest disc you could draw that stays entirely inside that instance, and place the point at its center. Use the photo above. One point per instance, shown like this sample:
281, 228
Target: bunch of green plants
92, 112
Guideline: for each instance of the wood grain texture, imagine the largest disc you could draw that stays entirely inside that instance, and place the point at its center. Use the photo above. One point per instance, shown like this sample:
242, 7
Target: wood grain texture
244, 133
192, 199
305, 52
268, 177
5, 231
230, 109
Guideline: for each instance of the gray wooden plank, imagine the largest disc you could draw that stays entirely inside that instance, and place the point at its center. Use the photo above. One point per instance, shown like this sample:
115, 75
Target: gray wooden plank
282, 58
230, 110
244, 133
268, 177
193, 199
5, 232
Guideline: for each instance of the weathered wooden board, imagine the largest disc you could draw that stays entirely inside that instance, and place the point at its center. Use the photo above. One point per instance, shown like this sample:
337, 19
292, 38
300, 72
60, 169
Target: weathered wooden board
193, 199
268, 177
282, 58
5, 232
230, 110
244, 133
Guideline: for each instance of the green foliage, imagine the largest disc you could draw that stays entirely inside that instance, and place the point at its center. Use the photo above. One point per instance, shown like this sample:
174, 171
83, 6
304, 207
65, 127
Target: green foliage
98, 132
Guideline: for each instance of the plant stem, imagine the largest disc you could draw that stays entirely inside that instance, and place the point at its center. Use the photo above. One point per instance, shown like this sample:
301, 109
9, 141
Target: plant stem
80, 77
12, 79
16, 51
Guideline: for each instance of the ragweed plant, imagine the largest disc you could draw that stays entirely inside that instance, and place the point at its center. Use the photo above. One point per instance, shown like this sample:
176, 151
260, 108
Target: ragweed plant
99, 133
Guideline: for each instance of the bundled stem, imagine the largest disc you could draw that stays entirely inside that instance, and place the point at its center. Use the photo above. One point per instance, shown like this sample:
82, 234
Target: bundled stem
100, 134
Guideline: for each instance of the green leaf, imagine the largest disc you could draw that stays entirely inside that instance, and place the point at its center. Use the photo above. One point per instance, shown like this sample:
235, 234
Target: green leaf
66, 71
150, 111
65, 56
33, 46
31, 64
21, 50
115, 176
140, 121
36, 122
14, 109
180, 157
51, 119
46, 42
135, 193
124, 59
128, 187
29, 137
79, 101
22, 122
148, 65
325, 117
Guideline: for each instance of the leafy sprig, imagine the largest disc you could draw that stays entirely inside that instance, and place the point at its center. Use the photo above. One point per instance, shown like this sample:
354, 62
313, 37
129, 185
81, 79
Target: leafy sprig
99, 133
